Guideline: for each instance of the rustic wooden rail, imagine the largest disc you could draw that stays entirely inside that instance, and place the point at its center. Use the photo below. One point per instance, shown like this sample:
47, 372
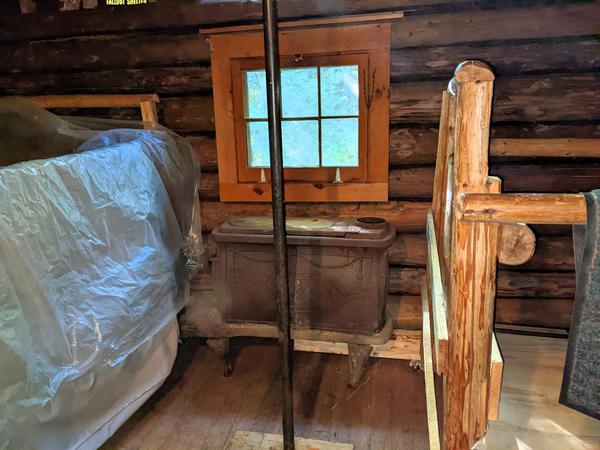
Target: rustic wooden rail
146, 103
527, 208
471, 227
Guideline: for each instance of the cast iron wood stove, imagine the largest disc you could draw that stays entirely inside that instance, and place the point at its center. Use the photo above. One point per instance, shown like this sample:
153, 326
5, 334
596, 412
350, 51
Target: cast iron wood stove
338, 275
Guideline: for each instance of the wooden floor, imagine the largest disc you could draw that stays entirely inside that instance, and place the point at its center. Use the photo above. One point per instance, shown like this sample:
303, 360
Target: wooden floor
530, 416
199, 409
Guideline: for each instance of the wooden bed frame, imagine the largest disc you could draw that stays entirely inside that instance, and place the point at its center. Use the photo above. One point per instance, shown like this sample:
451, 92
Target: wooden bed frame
146, 103
472, 225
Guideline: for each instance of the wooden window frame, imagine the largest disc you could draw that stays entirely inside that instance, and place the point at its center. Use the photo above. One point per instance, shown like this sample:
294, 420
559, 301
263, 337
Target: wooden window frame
247, 174
369, 45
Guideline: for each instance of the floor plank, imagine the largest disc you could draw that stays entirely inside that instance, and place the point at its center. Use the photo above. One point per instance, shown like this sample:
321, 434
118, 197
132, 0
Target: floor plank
530, 416
246, 440
197, 408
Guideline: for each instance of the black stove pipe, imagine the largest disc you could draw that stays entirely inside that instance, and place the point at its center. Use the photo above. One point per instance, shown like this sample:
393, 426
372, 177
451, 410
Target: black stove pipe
286, 344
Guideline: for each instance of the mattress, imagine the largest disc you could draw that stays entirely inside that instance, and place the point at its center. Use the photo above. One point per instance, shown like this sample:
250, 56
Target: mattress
96, 250
85, 412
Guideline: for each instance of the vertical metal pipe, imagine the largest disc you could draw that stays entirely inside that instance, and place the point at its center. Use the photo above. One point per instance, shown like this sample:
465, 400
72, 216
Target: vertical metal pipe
286, 344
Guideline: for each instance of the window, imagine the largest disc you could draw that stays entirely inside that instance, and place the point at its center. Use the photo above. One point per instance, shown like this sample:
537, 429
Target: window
335, 100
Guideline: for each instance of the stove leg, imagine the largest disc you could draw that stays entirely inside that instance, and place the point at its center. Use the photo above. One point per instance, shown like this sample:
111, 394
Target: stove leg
358, 357
220, 347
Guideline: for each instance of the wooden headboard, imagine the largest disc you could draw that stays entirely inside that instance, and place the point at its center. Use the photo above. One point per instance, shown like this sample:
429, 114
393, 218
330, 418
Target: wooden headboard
146, 103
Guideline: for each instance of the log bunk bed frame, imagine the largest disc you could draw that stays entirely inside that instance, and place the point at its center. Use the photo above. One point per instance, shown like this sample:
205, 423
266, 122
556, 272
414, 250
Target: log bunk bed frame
145, 102
472, 224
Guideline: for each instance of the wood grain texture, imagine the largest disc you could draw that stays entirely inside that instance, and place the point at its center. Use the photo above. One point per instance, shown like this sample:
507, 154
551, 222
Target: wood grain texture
517, 99
162, 80
248, 440
516, 244
428, 374
472, 265
452, 28
525, 311
496, 369
523, 208
186, 14
437, 299
198, 408
107, 55
547, 148
107, 51
505, 57
530, 415
546, 312
417, 145
404, 345
511, 283
449, 28
93, 101
552, 253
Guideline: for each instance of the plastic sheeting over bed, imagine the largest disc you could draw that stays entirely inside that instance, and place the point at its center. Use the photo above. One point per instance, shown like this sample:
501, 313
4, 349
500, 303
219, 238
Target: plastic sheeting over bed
95, 251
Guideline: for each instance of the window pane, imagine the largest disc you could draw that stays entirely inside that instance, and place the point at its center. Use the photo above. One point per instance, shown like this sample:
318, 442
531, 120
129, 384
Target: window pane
300, 143
299, 92
258, 144
339, 139
339, 91
255, 95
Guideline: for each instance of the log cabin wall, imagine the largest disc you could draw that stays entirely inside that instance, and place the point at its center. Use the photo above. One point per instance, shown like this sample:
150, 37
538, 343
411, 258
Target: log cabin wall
547, 60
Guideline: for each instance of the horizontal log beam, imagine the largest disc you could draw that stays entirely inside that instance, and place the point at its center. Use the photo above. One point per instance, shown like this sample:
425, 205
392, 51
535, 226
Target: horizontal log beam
110, 61
185, 13
522, 208
417, 30
417, 145
505, 56
516, 99
188, 114
104, 52
552, 253
93, 101
497, 24
511, 283
547, 312
405, 311
161, 80
546, 148
410, 146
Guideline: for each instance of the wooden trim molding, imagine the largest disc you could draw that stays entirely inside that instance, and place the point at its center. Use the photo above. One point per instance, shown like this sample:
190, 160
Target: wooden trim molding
369, 182
306, 192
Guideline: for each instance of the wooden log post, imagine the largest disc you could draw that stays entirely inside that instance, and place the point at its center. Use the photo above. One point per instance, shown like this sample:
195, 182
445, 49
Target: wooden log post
517, 244
472, 265
149, 114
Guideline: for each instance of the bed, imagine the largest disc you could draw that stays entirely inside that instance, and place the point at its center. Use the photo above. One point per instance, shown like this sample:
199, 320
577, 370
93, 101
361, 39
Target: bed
96, 250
